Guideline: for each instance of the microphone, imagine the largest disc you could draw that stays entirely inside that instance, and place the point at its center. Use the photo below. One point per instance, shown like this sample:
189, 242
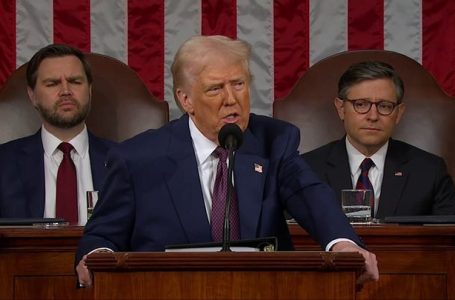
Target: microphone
230, 138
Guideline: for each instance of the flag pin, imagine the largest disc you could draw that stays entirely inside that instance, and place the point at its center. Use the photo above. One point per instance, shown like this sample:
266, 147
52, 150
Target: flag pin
258, 168
398, 173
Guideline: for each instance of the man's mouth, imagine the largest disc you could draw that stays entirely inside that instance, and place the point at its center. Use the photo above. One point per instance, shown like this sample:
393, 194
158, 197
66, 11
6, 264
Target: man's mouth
231, 118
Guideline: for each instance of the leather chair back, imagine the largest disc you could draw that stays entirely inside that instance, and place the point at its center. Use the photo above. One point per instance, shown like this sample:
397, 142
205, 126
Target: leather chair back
428, 122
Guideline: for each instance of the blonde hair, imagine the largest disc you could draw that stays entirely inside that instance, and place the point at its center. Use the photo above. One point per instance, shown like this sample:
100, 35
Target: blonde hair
191, 57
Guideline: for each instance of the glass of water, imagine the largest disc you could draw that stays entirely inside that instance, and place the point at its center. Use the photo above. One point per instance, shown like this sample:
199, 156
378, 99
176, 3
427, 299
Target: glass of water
92, 198
358, 205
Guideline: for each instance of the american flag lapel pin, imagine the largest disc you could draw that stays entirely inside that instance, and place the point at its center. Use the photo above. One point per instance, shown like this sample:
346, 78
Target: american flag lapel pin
258, 168
398, 174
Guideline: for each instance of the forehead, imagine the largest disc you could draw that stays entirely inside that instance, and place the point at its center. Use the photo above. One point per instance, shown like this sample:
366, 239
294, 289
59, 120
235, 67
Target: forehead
65, 65
382, 88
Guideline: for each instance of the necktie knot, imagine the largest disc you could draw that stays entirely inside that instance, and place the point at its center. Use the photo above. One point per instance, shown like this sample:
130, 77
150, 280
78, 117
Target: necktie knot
221, 153
65, 148
366, 164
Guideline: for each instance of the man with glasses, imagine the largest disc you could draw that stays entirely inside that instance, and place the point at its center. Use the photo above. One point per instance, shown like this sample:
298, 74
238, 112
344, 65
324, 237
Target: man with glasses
405, 180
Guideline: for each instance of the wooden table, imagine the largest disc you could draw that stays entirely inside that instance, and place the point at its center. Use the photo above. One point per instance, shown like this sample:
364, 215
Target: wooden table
38, 263
415, 262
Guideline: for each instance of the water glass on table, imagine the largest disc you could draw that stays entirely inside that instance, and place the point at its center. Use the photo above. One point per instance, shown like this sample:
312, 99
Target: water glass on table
358, 205
92, 198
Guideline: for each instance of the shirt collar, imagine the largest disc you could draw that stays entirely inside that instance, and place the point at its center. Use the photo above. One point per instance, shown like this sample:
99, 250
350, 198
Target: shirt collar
203, 147
356, 158
51, 142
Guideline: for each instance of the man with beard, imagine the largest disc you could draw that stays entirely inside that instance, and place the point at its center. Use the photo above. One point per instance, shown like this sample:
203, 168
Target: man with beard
59, 83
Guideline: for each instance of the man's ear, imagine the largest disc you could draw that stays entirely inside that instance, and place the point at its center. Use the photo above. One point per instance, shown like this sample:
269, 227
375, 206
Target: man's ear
339, 105
184, 101
31, 96
401, 108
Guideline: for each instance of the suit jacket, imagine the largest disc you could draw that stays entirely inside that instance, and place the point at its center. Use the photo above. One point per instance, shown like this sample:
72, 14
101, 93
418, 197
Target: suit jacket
22, 187
415, 182
153, 197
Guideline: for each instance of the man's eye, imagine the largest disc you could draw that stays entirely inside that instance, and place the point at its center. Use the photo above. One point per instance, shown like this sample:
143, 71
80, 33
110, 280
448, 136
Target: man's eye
361, 104
386, 105
239, 85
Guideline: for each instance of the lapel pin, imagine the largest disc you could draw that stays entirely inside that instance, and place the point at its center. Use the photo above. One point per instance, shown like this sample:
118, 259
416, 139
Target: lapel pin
398, 174
258, 168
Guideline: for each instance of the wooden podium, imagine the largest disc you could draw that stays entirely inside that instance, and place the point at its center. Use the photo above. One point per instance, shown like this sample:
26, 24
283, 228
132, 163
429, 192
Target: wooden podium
415, 262
225, 275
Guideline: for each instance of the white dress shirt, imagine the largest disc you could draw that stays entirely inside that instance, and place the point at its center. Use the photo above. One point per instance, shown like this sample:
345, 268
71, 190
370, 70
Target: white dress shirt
81, 159
207, 164
376, 172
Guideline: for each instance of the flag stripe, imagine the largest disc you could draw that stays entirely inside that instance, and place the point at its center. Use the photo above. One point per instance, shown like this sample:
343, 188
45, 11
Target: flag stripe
365, 24
108, 28
291, 43
72, 23
146, 42
439, 43
219, 17
182, 20
328, 29
403, 27
255, 25
7, 39
287, 36
34, 28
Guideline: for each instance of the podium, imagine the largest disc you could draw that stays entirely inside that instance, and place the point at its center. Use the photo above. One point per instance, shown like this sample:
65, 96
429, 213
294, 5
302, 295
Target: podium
225, 275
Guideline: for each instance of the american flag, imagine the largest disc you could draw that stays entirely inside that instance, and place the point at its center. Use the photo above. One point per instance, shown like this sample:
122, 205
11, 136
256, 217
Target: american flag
288, 36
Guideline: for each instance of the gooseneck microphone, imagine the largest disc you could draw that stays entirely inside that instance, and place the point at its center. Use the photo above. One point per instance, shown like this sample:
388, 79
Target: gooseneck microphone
230, 138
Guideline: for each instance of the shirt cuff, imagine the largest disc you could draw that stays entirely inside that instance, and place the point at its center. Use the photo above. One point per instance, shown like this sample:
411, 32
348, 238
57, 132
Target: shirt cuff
102, 249
330, 245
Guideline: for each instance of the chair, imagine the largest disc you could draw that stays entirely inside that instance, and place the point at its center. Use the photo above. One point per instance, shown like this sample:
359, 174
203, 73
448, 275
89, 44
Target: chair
428, 122
121, 104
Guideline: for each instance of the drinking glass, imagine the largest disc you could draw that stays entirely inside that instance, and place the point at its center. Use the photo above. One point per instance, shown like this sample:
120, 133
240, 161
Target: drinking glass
92, 198
357, 205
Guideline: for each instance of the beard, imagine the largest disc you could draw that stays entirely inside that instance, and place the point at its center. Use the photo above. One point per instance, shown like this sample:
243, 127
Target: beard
59, 120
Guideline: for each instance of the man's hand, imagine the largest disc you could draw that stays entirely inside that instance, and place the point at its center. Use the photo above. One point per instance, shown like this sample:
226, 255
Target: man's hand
371, 271
83, 274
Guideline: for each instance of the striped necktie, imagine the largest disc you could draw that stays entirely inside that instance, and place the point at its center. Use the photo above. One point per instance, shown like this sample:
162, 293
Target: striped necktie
364, 183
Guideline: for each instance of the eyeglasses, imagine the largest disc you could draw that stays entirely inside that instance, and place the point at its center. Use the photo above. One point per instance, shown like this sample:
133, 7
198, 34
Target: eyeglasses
362, 106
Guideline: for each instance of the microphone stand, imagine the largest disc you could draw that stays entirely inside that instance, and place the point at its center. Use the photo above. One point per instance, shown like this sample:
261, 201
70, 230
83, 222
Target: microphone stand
227, 211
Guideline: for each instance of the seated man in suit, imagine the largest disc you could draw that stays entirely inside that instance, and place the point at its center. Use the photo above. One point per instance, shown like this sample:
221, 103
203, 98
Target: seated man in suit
160, 188
32, 172
405, 180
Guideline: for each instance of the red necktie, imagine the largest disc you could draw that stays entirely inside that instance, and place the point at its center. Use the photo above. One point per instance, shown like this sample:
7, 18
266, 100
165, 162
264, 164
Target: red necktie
219, 200
66, 194
364, 183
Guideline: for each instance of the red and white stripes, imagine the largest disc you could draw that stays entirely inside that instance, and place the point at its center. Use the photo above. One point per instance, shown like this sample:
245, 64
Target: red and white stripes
288, 36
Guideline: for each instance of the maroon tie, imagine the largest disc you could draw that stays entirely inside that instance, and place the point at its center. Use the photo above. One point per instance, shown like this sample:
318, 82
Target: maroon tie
219, 200
66, 194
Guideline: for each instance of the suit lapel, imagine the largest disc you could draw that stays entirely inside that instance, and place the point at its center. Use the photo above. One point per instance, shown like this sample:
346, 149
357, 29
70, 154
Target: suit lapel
31, 168
184, 184
249, 179
393, 181
97, 152
338, 170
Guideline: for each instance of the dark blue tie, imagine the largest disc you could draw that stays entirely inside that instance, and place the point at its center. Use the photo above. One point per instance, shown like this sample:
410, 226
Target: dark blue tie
364, 183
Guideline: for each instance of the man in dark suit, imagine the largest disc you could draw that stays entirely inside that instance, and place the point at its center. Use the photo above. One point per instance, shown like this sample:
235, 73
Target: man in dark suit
59, 83
161, 184
406, 180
